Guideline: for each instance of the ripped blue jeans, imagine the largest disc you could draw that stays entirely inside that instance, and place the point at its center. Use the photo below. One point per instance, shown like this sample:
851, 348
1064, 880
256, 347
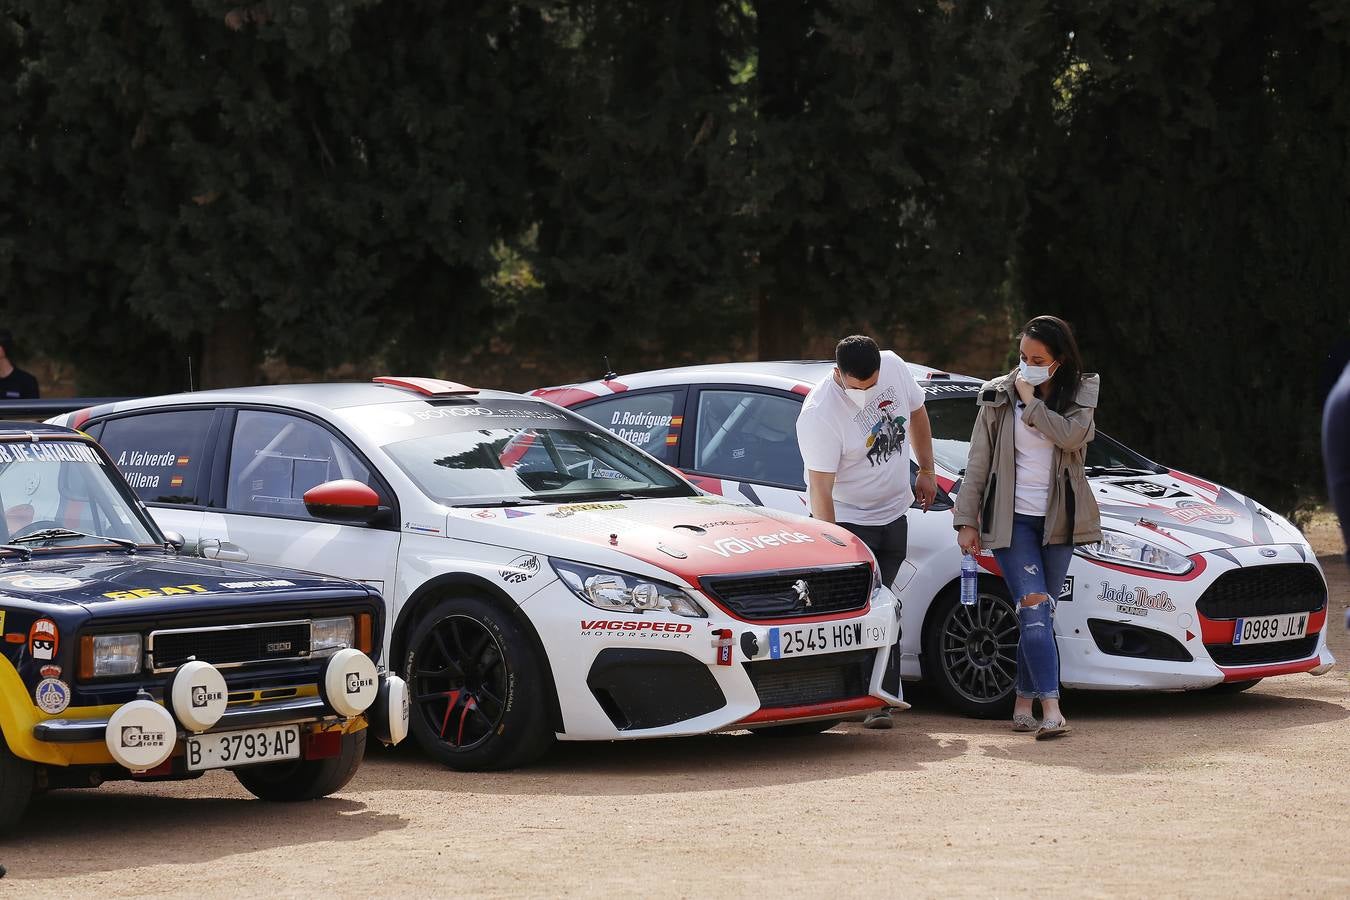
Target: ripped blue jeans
1032, 568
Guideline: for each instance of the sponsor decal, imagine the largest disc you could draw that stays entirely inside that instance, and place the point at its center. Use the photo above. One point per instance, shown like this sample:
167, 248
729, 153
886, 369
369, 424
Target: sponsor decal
50, 671
43, 639
202, 698
356, 684
635, 628
934, 389
1066, 591
572, 509
135, 736
144, 593
2, 621
517, 513
1137, 601
713, 501
485, 514
52, 696
1268, 553
1188, 511
726, 547
722, 641
520, 569
1150, 489
40, 582
469, 412
274, 582
52, 451
421, 529
721, 523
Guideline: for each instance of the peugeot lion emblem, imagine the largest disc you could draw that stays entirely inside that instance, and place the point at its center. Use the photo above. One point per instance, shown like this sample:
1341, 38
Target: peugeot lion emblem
803, 591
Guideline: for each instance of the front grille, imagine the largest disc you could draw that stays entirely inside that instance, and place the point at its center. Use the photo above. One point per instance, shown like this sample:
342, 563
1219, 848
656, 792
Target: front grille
773, 595
1255, 654
1264, 591
813, 679
232, 645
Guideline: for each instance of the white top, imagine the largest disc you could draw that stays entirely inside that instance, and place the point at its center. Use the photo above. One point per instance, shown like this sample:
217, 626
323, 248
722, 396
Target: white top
867, 449
1035, 454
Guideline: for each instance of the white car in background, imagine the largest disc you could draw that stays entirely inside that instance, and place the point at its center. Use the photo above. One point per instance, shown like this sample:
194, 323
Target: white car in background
543, 578
1194, 586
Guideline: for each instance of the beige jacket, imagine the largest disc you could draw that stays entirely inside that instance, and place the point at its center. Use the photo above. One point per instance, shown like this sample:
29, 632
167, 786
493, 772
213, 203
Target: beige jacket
987, 492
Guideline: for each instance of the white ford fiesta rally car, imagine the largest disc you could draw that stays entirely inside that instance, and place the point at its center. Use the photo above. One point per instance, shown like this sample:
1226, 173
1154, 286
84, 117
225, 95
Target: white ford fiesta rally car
543, 577
1194, 585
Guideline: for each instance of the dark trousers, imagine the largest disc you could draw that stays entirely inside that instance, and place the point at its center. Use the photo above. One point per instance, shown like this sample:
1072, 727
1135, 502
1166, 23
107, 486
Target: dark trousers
888, 544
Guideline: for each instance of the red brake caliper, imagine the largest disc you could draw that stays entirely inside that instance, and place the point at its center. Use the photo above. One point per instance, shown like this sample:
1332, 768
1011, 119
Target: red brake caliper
454, 698
469, 704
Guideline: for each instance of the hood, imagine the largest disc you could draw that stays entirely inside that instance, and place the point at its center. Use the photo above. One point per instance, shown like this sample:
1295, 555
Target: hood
1196, 514
111, 583
689, 536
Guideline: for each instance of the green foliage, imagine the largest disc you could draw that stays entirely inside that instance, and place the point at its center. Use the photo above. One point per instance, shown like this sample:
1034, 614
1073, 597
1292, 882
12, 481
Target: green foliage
1191, 219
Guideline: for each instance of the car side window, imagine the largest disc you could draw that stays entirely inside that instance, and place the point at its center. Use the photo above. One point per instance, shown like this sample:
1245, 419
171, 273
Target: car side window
748, 436
160, 453
649, 420
275, 458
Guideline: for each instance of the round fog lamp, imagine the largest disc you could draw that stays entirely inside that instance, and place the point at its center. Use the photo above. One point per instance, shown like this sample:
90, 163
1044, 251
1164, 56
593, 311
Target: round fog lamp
198, 695
141, 735
350, 682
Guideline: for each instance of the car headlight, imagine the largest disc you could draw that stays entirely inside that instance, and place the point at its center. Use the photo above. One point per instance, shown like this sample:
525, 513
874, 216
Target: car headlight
1128, 550
332, 634
622, 592
114, 654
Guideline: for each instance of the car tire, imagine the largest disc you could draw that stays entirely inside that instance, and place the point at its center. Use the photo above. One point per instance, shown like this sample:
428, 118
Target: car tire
967, 655
796, 729
305, 779
16, 786
1233, 687
477, 688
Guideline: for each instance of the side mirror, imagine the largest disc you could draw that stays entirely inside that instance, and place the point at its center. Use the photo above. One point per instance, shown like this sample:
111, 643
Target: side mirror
343, 500
175, 540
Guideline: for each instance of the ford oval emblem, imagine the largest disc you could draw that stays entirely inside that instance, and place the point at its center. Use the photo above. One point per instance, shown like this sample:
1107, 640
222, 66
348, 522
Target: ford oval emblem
1268, 553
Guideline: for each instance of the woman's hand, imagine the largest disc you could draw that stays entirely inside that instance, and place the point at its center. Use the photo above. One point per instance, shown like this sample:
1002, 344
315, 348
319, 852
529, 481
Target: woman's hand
1024, 389
968, 539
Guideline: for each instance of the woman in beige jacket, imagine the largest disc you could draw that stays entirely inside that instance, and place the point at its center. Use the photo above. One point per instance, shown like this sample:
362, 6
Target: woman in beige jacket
1026, 498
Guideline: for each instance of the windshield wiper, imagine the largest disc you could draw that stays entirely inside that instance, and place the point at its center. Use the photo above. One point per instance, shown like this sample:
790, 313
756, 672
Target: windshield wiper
1093, 471
53, 534
26, 551
505, 501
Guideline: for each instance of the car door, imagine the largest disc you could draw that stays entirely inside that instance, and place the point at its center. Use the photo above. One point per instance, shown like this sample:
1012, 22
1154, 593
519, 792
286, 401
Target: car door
743, 444
166, 456
273, 457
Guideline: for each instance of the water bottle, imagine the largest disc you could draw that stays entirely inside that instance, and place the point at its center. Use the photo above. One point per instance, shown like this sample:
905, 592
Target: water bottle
970, 570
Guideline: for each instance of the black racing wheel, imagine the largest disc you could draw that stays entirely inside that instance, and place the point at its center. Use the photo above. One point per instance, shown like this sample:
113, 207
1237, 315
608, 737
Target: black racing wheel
477, 687
970, 652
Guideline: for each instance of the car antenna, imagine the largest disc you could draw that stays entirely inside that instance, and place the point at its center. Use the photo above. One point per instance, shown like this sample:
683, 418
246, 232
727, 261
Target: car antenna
189, 362
610, 374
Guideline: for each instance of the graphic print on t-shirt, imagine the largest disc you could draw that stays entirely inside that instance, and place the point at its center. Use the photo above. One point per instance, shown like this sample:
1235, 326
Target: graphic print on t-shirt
884, 429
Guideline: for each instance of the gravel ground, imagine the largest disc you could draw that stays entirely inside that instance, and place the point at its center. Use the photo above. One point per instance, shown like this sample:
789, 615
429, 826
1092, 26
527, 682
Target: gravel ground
1152, 795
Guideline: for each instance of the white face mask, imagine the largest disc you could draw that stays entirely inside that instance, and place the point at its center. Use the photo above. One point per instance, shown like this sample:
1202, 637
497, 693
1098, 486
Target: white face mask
860, 396
1034, 375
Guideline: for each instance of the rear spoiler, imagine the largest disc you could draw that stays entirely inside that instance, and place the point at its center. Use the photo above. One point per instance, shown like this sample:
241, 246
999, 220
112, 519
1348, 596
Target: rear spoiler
38, 410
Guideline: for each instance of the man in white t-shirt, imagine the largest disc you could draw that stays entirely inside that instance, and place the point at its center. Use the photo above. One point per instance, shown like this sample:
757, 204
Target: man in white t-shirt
855, 432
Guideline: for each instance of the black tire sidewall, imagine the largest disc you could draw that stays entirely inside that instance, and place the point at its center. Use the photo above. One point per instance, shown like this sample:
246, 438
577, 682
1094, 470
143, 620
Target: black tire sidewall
17, 777
935, 672
524, 732
308, 779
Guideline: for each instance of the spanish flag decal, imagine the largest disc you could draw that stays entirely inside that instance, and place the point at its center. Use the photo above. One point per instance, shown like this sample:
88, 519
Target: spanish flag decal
184, 460
176, 481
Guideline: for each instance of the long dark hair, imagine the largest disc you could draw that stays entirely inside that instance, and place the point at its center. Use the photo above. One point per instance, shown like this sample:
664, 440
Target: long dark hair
1058, 338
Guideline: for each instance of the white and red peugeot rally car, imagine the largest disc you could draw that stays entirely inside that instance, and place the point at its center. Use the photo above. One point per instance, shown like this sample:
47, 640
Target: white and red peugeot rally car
1194, 585
543, 577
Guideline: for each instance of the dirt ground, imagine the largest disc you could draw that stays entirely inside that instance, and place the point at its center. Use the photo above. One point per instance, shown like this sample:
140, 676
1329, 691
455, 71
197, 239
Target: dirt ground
1158, 795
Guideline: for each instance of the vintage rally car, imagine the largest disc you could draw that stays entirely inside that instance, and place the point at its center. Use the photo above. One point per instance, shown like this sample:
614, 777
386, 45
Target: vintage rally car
1194, 586
122, 659
544, 579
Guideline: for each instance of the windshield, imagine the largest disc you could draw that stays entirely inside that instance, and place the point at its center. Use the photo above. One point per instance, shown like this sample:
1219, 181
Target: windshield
953, 419
61, 493
505, 452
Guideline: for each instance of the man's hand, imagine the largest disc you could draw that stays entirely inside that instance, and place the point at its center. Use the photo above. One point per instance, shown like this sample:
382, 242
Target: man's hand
925, 490
1024, 389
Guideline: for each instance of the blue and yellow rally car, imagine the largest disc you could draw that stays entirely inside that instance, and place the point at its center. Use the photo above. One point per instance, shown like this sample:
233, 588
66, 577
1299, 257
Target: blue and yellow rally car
120, 659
